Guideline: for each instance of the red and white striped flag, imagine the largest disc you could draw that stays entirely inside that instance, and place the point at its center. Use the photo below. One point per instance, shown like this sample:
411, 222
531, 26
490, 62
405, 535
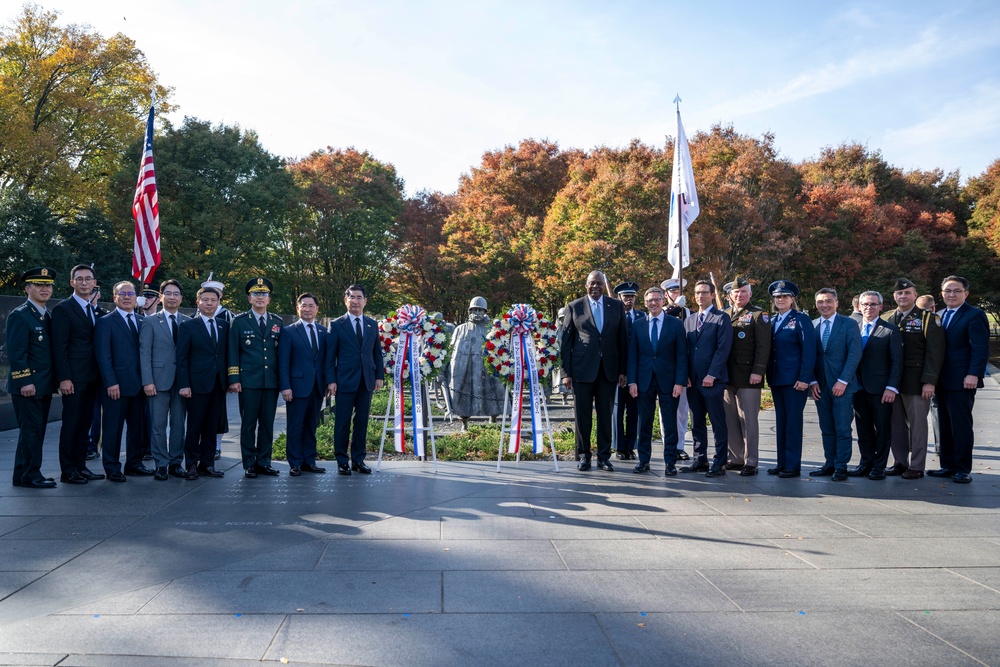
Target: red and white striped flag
146, 213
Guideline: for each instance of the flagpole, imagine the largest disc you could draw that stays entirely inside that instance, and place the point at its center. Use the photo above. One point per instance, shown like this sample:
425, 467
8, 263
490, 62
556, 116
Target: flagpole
677, 204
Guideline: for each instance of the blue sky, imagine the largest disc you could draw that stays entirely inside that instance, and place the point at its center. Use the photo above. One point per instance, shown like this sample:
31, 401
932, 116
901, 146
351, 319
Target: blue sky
430, 86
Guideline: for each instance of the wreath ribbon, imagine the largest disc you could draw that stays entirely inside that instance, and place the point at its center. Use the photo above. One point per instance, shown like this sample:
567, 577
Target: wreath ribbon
522, 321
411, 319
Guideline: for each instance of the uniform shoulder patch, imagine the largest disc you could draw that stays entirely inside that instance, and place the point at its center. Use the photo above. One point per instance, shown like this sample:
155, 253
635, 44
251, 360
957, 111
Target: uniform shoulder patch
764, 316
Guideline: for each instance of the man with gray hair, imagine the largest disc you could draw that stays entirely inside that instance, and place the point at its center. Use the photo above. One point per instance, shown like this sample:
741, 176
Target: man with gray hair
879, 372
473, 390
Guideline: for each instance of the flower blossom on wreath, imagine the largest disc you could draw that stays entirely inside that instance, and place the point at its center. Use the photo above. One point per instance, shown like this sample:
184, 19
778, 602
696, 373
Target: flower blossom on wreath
497, 355
432, 343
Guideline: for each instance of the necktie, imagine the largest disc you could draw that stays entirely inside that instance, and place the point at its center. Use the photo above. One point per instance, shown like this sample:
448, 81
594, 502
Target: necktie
262, 325
701, 320
173, 327
598, 315
357, 330
947, 318
865, 334
312, 340
826, 333
90, 314
131, 325
211, 331
654, 338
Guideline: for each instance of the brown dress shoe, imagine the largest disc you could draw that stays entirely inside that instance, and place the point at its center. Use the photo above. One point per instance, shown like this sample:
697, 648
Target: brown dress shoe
912, 474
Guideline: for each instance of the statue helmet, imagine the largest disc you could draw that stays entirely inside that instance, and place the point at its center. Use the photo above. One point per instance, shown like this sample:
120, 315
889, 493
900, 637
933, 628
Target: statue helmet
477, 302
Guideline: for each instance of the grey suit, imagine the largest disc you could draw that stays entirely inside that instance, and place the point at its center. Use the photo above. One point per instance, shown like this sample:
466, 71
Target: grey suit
158, 367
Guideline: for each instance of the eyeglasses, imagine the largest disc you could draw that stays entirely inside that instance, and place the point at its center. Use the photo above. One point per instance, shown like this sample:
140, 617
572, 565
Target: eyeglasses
870, 305
953, 291
81, 279
126, 294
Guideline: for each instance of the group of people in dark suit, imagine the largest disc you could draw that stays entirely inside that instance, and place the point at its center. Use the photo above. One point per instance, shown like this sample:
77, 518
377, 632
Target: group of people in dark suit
868, 373
170, 373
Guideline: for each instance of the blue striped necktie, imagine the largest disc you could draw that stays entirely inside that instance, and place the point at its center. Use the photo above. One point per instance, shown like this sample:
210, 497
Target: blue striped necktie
826, 333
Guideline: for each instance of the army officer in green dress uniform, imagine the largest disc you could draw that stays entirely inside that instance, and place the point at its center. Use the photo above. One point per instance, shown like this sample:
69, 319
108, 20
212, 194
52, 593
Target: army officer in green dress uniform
30, 381
253, 374
747, 365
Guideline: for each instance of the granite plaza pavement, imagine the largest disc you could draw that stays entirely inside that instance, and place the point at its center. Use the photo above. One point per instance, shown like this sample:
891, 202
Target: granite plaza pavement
529, 566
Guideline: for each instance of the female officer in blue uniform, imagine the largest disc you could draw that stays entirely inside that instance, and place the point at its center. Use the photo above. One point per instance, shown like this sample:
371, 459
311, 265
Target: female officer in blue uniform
789, 372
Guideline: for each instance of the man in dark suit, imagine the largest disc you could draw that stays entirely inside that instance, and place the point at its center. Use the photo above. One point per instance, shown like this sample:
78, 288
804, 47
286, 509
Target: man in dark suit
158, 367
923, 353
747, 364
253, 374
30, 378
838, 353
626, 406
594, 355
967, 351
76, 372
201, 377
354, 369
302, 379
657, 369
878, 372
116, 342
709, 339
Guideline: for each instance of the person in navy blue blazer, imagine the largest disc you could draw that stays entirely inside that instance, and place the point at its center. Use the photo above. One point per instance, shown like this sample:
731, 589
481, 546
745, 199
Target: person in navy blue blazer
657, 369
202, 353
790, 370
116, 346
302, 380
354, 369
838, 353
709, 340
967, 351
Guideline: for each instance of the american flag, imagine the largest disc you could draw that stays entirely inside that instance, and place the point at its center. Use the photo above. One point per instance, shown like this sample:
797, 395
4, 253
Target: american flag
146, 213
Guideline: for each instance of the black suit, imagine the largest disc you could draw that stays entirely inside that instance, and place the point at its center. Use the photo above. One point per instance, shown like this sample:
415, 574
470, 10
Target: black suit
881, 367
73, 359
966, 352
593, 359
201, 367
301, 369
627, 417
117, 354
354, 368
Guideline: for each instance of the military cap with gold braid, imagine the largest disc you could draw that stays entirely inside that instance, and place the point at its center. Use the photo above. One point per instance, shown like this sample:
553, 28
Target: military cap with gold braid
39, 275
260, 285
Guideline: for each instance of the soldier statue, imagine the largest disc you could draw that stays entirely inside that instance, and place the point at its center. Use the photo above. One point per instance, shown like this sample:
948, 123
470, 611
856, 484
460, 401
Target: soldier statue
473, 390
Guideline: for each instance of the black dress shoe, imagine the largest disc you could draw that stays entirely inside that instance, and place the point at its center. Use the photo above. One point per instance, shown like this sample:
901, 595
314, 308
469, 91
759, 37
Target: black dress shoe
73, 478
192, 473
683, 456
734, 466
210, 471
962, 478
39, 484
911, 474
147, 457
139, 471
342, 469
839, 475
161, 474
92, 455
267, 470
716, 471
787, 474
825, 471
621, 456
89, 475
361, 468
641, 467
774, 471
176, 470
858, 471
897, 469
583, 465
749, 471
877, 474
696, 466
306, 467
250, 473
116, 477
941, 472
218, 454
605, 465
671, 470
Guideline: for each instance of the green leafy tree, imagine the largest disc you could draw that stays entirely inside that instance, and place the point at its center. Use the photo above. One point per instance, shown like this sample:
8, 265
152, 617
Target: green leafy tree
28, 238
71, 101
346, 231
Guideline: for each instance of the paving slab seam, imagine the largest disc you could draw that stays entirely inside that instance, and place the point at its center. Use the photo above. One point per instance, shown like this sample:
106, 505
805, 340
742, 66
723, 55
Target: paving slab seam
612, 644
721, 592
943, 640
844, 525
275, 637
789, 552
989, 588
